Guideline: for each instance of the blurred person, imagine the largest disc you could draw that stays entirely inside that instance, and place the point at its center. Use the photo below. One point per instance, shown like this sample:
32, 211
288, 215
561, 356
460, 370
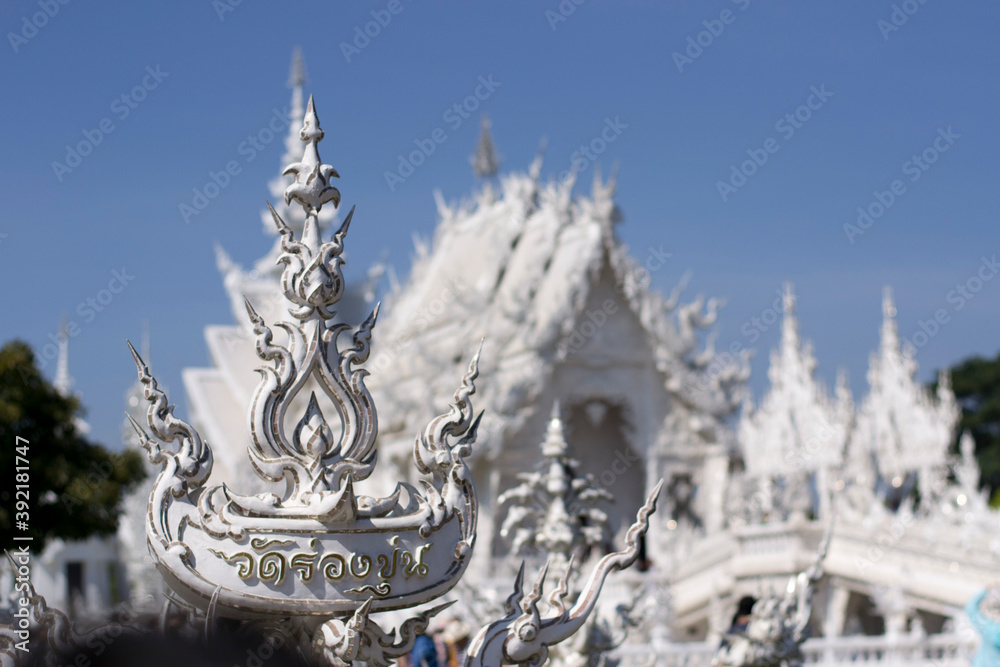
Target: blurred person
456, 641
984, 612
424, 652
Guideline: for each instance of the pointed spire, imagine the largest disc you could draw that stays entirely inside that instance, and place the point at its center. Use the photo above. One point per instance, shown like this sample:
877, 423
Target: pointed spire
312, 186
293, 216
536, 165
485, 162
297, 73
63, 382
890, 334
790, 324
296, 81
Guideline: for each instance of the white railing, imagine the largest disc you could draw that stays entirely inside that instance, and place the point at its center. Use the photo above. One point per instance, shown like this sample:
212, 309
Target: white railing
952, 650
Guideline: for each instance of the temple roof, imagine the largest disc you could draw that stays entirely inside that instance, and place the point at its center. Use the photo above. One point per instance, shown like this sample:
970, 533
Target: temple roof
522, 268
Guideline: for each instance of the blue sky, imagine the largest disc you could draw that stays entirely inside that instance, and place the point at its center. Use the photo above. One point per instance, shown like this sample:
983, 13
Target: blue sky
214, 73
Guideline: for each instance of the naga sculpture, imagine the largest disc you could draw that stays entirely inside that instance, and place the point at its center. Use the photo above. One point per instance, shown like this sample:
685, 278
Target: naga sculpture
778, 625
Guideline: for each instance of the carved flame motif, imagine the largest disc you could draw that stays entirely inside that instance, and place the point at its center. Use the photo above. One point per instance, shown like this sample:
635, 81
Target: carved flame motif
329, 549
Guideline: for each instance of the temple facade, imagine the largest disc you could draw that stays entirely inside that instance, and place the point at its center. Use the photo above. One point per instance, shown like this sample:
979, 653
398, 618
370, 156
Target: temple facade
566, 317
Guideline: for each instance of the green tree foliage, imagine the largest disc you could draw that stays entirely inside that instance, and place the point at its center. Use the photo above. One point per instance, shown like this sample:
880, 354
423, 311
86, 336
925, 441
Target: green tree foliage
976, 382
75, 487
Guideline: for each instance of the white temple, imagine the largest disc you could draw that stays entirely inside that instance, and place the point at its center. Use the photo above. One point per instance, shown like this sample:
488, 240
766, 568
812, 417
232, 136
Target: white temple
568, 318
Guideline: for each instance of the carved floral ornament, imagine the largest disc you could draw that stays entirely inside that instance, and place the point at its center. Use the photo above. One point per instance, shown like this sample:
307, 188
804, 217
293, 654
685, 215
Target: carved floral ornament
314, 547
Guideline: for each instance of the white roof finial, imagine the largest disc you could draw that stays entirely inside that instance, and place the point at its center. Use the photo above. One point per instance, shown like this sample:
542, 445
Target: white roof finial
297, 74
63, 382
485, 162
888, 306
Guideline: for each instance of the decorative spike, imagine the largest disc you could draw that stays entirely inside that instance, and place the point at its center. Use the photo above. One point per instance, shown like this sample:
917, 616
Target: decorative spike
530, 602
278, 221
512, 601
139, 363
255, 319
338, 236
559, 593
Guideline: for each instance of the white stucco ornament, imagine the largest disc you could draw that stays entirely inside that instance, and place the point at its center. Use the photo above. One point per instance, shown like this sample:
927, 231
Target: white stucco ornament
313, 558
313, 546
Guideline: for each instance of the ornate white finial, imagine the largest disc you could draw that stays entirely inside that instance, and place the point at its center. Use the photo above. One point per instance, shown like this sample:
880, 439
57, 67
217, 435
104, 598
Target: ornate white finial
555, 509
312, 186
314, 547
